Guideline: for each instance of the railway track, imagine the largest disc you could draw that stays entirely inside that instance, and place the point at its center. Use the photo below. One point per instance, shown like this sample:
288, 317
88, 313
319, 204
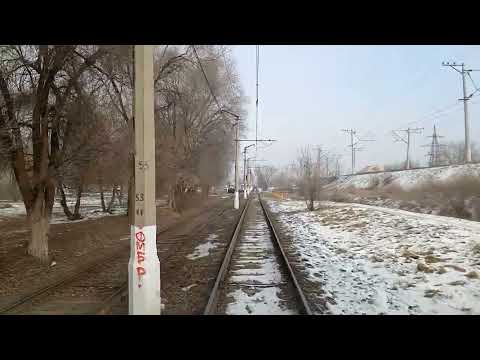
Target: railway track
255, 276
103, 277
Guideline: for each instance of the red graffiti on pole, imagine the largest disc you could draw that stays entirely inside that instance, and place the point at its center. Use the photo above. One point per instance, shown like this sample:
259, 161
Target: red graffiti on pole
140, 250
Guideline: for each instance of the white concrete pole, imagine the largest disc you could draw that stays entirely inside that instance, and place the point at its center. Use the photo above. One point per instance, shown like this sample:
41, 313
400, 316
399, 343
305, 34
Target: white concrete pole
144, 265
236, 200
467, 150
248, 178
245, 192
407, 163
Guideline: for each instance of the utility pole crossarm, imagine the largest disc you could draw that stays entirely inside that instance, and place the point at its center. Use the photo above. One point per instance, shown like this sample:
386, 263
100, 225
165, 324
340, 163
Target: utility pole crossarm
397, 137
453, 66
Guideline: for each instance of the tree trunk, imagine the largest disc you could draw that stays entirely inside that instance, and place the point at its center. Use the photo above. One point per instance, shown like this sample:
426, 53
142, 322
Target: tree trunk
131, 196
109, 209
179, 197
171, 197
63, 202
175, 195
38, 246
102, 195
40, 222
120, 196
76, 213
205, 191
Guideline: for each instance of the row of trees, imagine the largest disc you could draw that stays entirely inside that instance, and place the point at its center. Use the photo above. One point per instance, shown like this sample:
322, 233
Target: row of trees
453, 153
66, 121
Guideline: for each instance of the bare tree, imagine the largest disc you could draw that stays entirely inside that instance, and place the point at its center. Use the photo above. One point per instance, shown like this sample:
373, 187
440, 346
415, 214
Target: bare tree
66, 122
195, 139
453, 152
36, 85
264, 175
308, 177
285, 177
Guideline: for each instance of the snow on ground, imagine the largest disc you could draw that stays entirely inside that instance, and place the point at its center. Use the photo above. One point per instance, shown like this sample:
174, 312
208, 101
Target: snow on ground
408, 205
187, 288
406, 179
204, 248
9, 209
371, 260
90, 208
87, 215
161, 203
263, 302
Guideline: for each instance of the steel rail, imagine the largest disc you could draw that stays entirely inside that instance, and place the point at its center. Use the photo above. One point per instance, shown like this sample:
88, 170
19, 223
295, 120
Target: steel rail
213, 298
303, 300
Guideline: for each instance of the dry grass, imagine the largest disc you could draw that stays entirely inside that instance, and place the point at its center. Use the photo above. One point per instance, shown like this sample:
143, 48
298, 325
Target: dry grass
456, 197
476, 249
373, 183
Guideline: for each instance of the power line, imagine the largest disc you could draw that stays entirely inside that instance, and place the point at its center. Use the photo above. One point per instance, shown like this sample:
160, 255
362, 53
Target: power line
206, 78
220, 109
473, 83
440, 112
436, 113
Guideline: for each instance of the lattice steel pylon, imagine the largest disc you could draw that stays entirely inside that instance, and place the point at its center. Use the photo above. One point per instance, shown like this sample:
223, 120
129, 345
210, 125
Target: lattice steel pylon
435, 157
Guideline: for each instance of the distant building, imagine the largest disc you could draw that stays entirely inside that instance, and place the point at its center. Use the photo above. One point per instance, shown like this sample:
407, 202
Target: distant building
373, 168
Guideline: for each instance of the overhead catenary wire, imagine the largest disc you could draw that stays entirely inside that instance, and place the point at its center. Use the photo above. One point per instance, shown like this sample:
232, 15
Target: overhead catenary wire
444, 112
220, 109
435, 113
473, 82
206, 77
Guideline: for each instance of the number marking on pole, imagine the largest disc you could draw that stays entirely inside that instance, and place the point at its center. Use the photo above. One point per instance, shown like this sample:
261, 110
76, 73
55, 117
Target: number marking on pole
143, 165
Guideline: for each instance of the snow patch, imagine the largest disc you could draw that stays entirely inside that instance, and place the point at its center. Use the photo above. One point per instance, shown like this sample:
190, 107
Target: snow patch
263, 302
371, 260
203, 250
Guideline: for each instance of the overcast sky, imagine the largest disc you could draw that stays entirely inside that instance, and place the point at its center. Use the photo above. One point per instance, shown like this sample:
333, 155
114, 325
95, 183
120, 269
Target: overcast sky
307, 94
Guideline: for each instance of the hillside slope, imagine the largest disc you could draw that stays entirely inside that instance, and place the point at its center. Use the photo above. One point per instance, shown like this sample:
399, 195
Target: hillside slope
406, 179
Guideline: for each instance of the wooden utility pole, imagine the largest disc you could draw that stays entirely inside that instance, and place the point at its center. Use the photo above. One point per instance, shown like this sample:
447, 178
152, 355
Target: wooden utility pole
144, 265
